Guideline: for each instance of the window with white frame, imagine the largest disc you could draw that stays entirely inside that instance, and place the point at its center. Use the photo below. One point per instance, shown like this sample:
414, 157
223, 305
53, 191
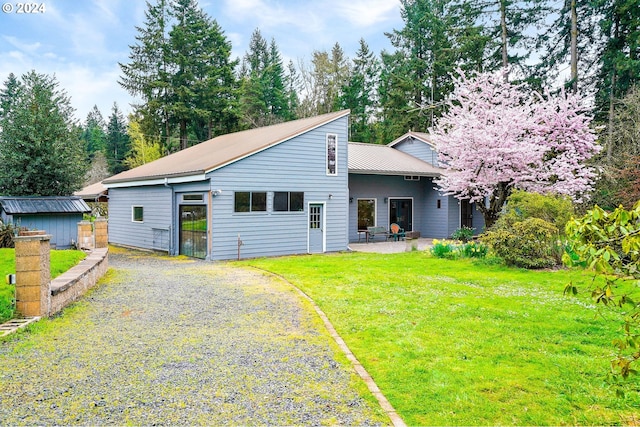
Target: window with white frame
332, 154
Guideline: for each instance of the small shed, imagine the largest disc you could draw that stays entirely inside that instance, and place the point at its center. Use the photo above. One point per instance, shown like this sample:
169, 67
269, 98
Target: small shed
58, 216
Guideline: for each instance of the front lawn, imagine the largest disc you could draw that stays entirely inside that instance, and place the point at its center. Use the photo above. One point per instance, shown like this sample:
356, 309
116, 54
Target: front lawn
61, 261
453, 342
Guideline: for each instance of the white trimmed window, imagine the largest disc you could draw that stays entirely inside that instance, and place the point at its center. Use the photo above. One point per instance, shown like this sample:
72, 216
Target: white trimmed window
332, 154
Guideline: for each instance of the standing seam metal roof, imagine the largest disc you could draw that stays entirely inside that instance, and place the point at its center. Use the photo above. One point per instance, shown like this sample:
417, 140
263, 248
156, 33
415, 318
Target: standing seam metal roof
40, 205
385, 160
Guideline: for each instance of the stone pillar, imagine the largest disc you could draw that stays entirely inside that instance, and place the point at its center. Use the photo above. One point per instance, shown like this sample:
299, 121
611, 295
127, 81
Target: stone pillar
85, 235
101, 233
33, 275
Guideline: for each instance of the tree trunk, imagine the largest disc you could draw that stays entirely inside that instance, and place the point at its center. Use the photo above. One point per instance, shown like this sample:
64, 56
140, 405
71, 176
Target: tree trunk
496, 202
574, 47
503, 26
611, 114
616, 33
183, 134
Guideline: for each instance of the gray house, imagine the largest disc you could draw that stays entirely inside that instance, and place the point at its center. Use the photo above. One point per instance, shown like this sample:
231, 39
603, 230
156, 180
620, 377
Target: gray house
281, 189
394, 184
58, 216
291, 188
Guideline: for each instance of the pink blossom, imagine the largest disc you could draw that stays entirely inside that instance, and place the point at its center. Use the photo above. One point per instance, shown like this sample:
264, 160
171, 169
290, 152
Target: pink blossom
497, 135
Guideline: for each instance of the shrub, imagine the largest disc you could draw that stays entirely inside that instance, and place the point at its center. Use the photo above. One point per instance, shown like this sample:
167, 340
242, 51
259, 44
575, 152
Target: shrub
529, 243
7, 231
464, 234
521, 205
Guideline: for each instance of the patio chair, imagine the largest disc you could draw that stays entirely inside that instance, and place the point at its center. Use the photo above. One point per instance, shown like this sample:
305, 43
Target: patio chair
396, 233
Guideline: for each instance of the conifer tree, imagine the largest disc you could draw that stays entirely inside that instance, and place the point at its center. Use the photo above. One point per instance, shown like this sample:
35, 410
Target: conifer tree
41, 153
181, 68
359, 94
438, 36
94, 132
117, 147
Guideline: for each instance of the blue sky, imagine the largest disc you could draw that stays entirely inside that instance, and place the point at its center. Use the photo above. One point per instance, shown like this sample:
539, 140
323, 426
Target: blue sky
82, 41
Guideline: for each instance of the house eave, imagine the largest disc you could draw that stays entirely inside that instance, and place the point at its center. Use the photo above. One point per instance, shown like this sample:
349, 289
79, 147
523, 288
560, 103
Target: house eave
180, 178
395, 173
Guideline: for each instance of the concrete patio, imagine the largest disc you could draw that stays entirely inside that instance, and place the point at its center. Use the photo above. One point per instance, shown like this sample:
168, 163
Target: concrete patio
389, 246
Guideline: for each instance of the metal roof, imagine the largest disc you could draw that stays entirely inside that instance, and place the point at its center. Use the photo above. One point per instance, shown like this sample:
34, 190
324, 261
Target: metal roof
92, 191
222, 150
385, 160
36, 205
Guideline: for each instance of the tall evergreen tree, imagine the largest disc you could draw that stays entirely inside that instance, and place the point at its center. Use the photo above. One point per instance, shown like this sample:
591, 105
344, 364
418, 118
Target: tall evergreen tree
292, 88
571, 38
619, 67
188, 58
9, 95
511, 28
94, 132
359, 94
263, 95
41, 153
147, 74
438, 36
118, 145
216, 86
181, 68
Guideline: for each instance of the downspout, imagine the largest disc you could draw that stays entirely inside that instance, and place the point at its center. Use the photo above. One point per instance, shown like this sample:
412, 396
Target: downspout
173, 214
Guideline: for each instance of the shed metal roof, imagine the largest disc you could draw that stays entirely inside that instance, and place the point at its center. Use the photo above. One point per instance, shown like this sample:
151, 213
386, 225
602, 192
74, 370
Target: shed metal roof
37, 205
385, 160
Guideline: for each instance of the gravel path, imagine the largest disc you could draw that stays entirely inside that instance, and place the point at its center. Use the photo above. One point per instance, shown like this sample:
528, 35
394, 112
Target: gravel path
174, 342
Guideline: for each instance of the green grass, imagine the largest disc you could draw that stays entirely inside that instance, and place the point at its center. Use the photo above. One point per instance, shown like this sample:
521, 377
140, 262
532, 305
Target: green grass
61, 261
453, 342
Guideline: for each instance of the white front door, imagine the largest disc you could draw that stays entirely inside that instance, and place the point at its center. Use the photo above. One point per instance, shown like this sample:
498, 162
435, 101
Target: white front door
316, 228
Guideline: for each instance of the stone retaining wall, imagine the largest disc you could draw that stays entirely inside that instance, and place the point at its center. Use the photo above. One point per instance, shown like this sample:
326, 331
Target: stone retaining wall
71, 285
36, 294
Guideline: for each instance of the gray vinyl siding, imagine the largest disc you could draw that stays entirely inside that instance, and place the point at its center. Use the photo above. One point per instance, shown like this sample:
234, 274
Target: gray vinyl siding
63, 228
454, 216
436, 222
297, 165
419, 149
477, 220
157, 221
379, 187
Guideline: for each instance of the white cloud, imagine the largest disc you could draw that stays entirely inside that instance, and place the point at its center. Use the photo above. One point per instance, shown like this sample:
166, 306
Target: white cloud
88, 87
367, 13
29, 48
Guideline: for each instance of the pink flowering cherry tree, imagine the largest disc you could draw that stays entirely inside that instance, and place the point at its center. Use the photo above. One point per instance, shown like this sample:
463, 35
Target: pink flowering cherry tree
497, 136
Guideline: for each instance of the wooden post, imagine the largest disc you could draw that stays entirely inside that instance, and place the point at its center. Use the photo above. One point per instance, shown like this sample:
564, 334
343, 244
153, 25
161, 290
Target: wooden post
33, 276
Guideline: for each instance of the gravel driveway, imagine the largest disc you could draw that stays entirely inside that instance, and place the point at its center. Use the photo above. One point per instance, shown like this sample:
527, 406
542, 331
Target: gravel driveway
174, 342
